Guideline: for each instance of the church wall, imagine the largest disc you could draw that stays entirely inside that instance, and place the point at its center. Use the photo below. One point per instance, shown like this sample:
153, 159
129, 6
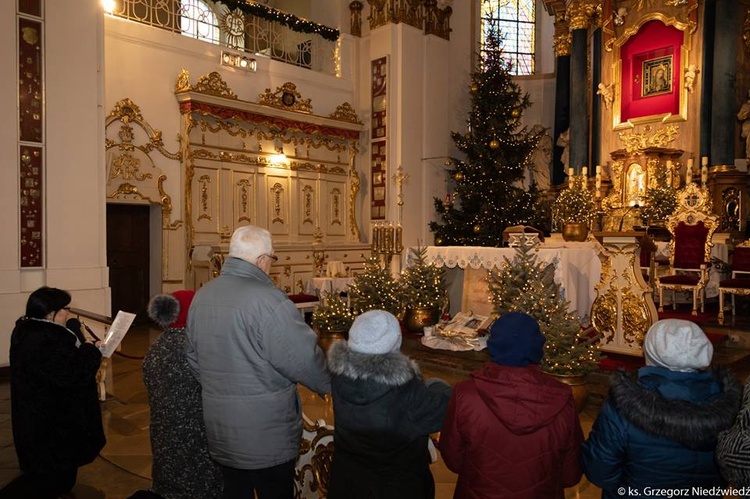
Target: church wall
73, 184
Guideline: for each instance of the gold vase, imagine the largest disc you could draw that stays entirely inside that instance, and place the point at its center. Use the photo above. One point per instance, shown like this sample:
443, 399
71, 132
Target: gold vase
575, 231
416, 319
577, 383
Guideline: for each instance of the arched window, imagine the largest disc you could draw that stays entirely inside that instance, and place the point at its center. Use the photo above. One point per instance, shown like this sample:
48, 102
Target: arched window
198, 21
515, 21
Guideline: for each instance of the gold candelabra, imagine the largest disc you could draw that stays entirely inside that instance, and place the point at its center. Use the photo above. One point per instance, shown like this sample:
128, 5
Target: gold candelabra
387, 240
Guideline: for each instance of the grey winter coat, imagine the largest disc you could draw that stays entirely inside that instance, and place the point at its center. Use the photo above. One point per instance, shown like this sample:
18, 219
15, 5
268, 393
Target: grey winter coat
248, 346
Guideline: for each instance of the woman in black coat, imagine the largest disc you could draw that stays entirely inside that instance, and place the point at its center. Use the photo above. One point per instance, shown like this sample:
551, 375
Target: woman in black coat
57, 422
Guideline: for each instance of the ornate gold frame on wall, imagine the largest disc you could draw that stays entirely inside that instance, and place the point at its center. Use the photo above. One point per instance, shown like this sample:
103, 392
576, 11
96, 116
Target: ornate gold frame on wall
617, 123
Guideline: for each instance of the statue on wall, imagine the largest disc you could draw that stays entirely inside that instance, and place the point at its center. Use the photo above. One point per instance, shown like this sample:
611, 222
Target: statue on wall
744, 116
541, 158
690, 73
607, 93
563, 140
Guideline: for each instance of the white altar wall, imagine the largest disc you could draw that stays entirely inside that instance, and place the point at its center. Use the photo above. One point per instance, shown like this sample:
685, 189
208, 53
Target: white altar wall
577, 269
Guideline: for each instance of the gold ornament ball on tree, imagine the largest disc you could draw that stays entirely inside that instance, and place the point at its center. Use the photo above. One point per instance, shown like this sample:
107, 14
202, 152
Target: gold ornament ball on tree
458, 176
474, 87
438, 241
516, 113
494, 144
477, 228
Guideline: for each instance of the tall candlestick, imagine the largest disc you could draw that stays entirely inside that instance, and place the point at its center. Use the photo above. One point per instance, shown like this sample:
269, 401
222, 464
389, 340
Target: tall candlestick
599, 169
570, 176
585, 171
689, 171
704, 161
399, 236
704, 175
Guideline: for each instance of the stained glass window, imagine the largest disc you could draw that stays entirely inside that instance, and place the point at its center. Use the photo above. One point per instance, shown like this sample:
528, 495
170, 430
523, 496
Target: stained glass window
514, 20
198, 21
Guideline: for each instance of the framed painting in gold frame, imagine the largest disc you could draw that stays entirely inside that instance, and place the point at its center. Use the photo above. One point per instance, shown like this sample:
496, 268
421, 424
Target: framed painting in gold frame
648, 61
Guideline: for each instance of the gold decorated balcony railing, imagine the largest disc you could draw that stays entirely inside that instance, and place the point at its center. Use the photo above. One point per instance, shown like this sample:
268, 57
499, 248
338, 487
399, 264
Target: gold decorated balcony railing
245, 27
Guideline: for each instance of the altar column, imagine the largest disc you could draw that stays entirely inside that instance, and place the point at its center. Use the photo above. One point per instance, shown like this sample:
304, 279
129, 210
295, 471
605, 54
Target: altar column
725, 67
579, 14
562, 44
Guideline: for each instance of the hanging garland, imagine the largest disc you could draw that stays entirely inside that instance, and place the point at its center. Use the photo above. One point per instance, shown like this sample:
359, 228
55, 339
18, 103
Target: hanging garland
291, 21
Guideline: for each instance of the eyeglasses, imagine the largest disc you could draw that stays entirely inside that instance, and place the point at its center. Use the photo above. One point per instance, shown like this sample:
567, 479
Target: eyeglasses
66, 308
273, 257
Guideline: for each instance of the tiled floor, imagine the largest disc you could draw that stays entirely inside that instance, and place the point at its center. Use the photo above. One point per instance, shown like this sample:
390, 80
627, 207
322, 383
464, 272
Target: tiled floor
124, 465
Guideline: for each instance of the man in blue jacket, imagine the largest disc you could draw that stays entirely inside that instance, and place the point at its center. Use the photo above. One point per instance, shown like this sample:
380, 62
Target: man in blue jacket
656, 435
249, 347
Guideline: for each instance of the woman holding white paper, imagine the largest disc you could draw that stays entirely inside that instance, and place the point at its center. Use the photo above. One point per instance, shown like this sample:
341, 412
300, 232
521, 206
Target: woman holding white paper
57, 422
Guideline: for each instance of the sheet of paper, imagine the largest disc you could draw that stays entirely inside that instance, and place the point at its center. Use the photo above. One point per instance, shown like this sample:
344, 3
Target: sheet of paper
116, 332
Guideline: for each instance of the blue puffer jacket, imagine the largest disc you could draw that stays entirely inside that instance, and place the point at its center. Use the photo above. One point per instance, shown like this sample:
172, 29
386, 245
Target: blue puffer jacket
659, 432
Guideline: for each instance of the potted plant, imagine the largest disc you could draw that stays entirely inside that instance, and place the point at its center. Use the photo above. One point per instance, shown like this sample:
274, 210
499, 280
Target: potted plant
333, 315
422, 291
574, 209
659, 202
528, 285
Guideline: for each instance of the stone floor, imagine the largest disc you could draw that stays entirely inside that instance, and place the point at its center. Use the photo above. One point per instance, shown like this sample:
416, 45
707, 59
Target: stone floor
124, 464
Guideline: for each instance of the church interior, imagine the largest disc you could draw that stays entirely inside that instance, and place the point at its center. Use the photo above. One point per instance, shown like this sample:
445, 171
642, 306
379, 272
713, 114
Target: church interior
363, 133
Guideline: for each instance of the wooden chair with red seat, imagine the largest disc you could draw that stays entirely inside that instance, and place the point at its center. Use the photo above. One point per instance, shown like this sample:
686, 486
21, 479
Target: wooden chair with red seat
692, 226
739, 282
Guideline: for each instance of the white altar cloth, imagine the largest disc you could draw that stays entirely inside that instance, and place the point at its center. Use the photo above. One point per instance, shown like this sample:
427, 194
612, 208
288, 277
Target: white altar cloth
577, 269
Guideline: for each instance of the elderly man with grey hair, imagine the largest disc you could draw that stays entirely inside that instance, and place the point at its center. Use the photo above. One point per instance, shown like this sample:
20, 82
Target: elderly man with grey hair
249, 347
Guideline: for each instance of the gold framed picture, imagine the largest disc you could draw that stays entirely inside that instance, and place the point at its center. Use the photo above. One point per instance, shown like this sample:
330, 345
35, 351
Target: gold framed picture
657, 76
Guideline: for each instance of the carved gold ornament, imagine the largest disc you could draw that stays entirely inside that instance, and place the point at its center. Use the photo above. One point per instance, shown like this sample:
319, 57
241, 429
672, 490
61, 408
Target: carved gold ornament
661, 137
214, 84
286, 97
183, 81
127, 167
345, 112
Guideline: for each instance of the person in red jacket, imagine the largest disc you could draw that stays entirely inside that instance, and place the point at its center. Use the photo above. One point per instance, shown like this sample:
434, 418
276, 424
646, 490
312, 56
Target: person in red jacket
511, 431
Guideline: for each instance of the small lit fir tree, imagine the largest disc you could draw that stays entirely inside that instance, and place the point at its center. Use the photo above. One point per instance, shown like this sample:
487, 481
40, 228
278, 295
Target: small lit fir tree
375, 288
660, 201
422, 284
527, 285
497, 150
574, 204
332, 315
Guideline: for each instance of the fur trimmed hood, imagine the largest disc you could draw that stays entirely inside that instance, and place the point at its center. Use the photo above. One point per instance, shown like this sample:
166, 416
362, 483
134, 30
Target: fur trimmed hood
693, 425
391, 369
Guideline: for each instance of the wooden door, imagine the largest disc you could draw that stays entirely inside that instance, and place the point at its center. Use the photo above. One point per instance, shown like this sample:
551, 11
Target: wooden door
128, 258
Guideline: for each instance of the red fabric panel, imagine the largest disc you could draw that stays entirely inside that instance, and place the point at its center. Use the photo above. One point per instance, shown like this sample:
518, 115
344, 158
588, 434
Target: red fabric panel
301, 298
690, 280
741, 259
654, 40
742, 282
690, 245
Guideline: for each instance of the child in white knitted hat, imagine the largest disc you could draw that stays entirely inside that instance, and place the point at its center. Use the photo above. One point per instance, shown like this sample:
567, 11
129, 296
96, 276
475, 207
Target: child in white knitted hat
659, 431
384, 412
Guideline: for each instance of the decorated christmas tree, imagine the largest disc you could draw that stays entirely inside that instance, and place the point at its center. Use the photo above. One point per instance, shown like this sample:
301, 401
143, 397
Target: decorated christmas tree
422, 283
488, 182
527, 285
374, 288
332, 315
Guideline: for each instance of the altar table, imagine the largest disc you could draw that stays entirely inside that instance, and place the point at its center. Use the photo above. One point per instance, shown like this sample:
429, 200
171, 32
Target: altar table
577, 269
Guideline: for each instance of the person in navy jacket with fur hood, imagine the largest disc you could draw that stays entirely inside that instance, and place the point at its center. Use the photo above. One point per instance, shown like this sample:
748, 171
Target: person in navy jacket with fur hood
660, 431
511, 431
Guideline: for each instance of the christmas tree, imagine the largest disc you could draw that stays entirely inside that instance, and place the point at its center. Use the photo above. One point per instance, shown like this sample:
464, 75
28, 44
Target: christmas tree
332, 315
488, 194
422, 283
374, 288
527, 285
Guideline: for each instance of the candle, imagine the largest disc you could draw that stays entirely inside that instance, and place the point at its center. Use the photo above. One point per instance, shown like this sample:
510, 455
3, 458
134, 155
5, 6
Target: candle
399, 235
670, 171
704, 175
689, 171
598, 169
704, 161
570, 177
585, 171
